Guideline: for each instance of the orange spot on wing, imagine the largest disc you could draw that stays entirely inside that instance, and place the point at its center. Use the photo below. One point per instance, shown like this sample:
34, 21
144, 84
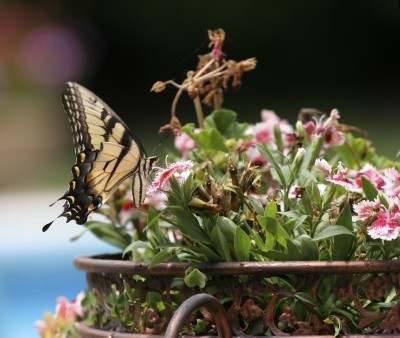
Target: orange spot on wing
77, 171
83, 157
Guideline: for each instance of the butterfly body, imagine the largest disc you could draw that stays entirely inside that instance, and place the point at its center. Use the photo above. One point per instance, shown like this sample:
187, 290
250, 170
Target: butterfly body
107, 154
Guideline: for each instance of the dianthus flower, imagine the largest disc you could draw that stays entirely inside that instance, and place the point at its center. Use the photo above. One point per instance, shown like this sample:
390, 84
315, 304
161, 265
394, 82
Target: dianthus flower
181, 171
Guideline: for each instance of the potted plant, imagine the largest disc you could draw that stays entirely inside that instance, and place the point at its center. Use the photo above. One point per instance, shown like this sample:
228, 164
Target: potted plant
264, 229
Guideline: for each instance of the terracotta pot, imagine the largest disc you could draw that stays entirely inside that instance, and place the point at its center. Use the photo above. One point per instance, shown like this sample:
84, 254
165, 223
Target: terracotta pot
106, 270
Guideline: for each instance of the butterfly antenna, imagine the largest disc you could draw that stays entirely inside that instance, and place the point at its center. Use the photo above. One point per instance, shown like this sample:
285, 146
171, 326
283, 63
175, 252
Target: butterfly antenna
160, 143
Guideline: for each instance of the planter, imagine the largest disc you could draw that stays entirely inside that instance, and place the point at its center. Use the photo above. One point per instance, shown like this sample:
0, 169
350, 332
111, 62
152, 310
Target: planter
244, 283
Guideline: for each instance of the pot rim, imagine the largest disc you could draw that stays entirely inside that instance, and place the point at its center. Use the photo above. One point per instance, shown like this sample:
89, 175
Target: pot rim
88, 332
114, 263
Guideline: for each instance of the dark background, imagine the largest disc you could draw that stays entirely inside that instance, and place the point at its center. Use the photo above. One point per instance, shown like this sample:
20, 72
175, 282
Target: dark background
316, 53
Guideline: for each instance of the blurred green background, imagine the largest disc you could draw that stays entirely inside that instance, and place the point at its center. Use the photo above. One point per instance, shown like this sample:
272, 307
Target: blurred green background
315, 53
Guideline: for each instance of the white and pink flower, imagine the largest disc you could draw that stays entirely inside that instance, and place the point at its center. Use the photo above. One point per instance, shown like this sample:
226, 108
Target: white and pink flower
385, 221
330, 127
337, 176
66, 315
372, 175
263, 133
181, 171
392, 182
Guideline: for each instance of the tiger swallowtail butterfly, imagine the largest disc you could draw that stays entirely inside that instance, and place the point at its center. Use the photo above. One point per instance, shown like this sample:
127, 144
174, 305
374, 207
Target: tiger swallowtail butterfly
107, 153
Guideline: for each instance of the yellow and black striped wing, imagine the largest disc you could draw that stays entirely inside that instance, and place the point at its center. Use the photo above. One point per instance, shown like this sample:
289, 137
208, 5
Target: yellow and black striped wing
107, 153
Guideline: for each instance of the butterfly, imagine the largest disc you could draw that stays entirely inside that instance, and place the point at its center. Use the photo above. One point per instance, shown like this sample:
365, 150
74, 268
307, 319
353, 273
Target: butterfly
107, 154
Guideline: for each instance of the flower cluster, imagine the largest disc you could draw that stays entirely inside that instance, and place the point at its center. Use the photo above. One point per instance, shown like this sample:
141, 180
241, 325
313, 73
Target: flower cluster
60, 325
381, 215
236, 191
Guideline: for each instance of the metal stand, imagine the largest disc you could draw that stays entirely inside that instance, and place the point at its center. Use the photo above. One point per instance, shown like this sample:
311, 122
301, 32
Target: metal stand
193, 303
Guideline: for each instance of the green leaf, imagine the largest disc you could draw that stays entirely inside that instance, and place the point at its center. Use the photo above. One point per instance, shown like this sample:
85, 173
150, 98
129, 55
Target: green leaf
276, 255
353, 151
256, 204
278, 137
266, 153
194, 277
109, 233
272, 226
153, 298
371, 193
152, 229
220, 243
332, 231
308, 248
242, 245
271, 210
328, 197
207, 139
209, 253
257, 238
188, 224
220, 119
269, 223
336, 322
293, 251
228, 227
163, 256
137, 245
305, 298
307, 204
312, 152
343, 245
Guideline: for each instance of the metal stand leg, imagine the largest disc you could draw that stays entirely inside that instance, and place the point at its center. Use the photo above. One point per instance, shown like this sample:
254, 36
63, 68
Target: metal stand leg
193, 303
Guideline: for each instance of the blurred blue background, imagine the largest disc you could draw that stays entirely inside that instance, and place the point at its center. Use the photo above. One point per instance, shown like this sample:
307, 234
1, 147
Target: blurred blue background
316, 53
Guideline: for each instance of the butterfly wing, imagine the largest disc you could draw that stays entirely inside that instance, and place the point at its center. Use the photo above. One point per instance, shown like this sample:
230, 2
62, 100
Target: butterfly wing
93, 122
106, 152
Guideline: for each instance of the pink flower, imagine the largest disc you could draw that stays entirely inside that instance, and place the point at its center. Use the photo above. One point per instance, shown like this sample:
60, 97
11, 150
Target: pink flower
184, 144
269, 117
365, 209
387, 225
323, 165
339, 177
156, 200
330, 127
392, 180
68, 311
181, 171
263, 133
255, 156
66, 315
372, 175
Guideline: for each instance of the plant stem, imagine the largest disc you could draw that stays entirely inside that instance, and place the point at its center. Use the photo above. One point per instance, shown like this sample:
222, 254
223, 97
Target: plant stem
199, 111
176, 99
